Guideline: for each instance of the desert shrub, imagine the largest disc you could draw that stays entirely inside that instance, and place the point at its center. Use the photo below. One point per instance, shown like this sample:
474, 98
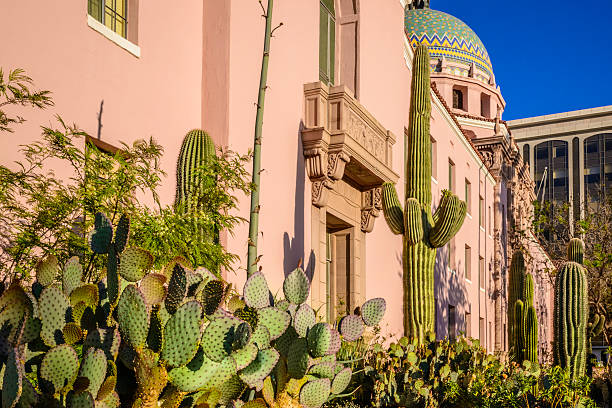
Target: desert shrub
460, 374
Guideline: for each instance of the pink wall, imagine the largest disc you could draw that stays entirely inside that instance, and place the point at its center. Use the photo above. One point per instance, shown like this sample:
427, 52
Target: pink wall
285, 191
158, 94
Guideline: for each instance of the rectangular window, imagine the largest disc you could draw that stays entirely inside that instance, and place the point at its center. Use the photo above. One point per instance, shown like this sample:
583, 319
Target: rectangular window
481, 332
468, 324
481, 272
485, 105
451, 175
481, 210
112, 13
434, 159
468, 262
327, 42
452, 329
468, 195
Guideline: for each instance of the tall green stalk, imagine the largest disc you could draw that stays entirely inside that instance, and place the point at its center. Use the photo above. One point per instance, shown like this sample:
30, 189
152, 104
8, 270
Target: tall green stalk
254, 217
423, 233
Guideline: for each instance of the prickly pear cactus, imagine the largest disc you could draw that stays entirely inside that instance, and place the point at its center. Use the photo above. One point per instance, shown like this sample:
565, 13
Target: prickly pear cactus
423, 232
146, 338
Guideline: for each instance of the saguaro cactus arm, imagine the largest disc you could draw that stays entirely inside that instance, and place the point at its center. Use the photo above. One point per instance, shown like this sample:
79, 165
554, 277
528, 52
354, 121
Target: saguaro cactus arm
448, 219
413, 221
392, 209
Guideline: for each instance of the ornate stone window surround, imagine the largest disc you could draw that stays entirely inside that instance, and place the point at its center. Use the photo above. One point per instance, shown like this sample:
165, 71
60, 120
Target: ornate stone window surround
342, 139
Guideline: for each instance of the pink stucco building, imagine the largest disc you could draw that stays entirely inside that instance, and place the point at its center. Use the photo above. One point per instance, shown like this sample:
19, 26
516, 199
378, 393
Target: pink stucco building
335, 119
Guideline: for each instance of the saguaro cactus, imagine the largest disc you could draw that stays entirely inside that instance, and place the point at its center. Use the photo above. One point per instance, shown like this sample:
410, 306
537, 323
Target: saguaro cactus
571, 313
422, 232
522, 316
197, 150
517, 279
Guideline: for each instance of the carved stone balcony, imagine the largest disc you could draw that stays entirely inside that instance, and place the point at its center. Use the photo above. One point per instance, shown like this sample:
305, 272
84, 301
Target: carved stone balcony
342, 140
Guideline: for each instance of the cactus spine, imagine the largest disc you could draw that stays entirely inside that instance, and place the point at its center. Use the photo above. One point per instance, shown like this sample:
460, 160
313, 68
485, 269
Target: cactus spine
522, 316
571, 313
422, 232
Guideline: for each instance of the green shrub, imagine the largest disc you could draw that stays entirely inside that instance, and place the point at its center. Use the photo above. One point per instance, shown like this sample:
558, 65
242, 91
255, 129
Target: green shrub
460, 374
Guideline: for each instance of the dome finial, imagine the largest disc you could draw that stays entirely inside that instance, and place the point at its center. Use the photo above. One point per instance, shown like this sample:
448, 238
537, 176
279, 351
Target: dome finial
418, 4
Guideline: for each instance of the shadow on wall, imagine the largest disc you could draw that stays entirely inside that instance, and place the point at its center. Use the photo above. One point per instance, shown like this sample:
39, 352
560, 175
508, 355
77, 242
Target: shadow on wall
293, 247
449, 289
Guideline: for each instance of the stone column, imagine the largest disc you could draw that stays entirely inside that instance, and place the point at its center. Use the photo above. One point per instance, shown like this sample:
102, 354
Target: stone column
499, 266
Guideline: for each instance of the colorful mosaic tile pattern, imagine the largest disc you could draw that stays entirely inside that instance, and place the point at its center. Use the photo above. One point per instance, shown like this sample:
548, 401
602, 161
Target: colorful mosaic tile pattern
446, 36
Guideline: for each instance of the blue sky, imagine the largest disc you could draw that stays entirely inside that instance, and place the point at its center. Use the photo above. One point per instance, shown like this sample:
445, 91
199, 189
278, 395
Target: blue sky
548, 56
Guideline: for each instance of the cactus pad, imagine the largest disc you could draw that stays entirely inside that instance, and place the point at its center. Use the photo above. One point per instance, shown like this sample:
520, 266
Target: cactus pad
71, 278
177, 288
323, 370
87, 293
153, 289
234, 303
122, 233
108, 340
304, 319
102, 235
82, 399
182, 334
261, 337
133, 316
256, 292
58, 369
93, 368
319, 339
351, 327
109, 384
218, 337
249, 315
242, 336
55, 305
298, 359
341, 381
282, 305
373, 311
212, 296
12, 383
260, 368
283, 343
155, 337
245, 356
72, 333
315, 393
15, 305
31, 330
199, 371
296, 287
47, 270
275, 320
134, 264
112, 276
334, 344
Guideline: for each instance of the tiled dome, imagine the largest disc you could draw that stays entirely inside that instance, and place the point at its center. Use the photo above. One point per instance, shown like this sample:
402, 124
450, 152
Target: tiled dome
446, 36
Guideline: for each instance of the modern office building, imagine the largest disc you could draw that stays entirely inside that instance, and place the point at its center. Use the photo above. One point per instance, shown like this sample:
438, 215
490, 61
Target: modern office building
569, 154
